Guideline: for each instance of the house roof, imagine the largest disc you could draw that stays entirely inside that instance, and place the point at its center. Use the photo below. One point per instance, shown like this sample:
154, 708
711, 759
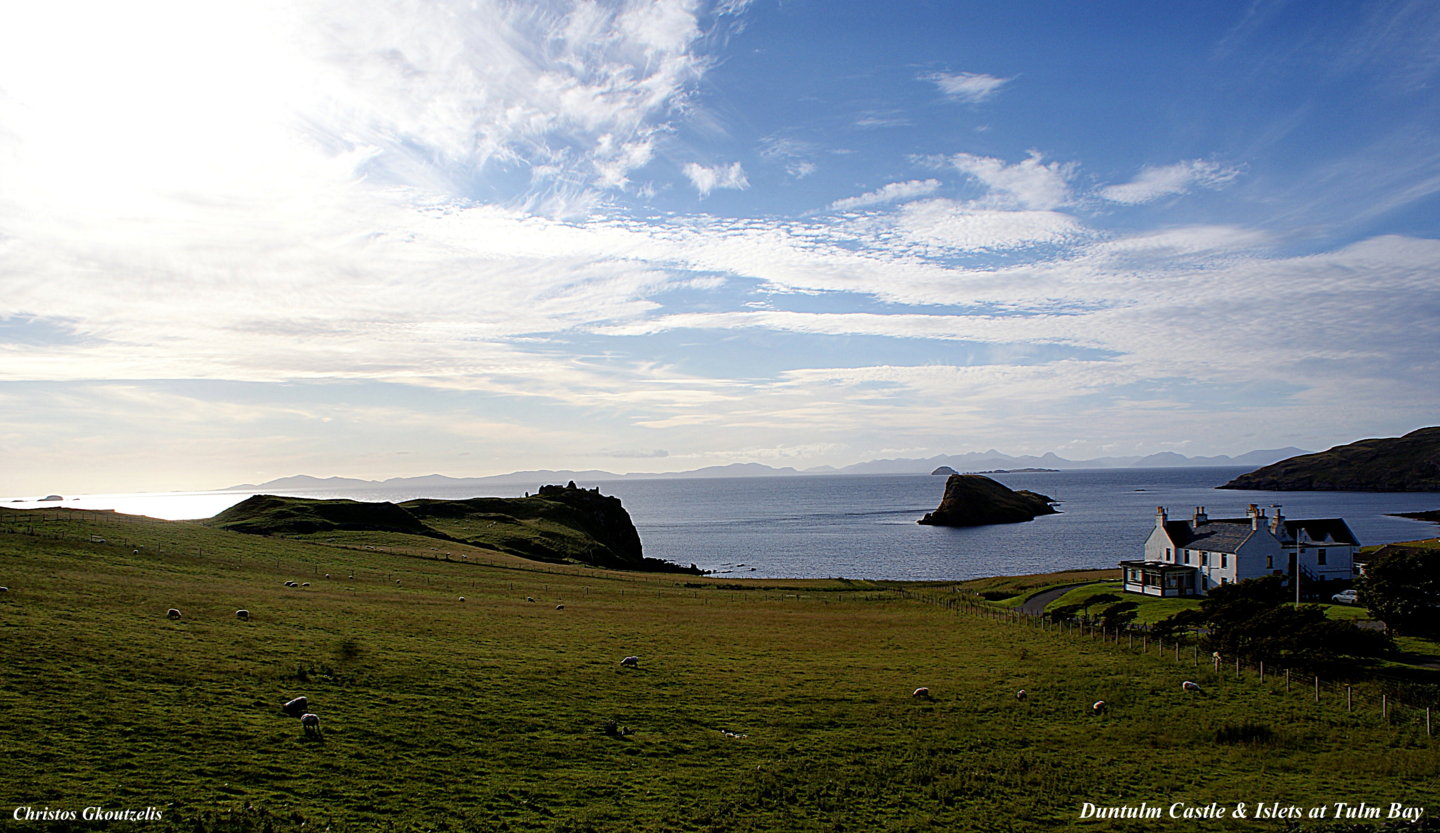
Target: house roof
1318, 529
1227, 534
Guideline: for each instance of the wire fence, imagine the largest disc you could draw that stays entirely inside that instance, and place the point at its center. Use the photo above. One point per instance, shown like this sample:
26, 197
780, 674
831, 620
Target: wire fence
1370, 699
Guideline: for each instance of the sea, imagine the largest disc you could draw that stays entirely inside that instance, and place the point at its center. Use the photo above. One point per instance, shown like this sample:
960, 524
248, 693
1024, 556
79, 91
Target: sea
864, 526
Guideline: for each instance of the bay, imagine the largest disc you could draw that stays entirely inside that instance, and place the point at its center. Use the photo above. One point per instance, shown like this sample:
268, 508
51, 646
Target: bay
864, 526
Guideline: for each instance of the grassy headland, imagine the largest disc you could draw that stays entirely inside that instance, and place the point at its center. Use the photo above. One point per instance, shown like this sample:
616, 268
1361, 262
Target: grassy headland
757, 706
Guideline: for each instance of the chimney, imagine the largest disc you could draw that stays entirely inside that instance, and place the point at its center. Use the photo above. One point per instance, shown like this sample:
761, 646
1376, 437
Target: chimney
1254, 514
1160, 516
1277, 523
1200, 516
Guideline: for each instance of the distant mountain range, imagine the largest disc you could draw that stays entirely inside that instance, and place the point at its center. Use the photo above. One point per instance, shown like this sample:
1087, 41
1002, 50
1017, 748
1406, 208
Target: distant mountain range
970, 462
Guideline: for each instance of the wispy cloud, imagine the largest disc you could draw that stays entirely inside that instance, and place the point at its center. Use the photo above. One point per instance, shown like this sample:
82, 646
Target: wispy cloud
894, 192
1030, 183
1152, 183
706, 179
971, 87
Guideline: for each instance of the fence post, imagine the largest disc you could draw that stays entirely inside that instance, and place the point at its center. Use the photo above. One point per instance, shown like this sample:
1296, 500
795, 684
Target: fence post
1385, 706
1262, 670
1349, 702
1287, 679
1317, 688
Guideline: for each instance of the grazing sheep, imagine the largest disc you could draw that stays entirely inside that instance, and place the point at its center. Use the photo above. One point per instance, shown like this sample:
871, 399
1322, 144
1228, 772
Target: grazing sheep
397, 582
462, 598
559, 607
529, 598
921, 693
352, 576
4, 590
172, 613
291, 584
296, 707
311, 724
327, 575
630, 662
1021, 694
304, 584
1190, 686
1098, 708
243, 615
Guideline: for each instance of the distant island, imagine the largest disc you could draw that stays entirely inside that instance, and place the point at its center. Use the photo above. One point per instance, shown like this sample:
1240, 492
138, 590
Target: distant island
976, 500
1012, 471
1398, 464
558, 524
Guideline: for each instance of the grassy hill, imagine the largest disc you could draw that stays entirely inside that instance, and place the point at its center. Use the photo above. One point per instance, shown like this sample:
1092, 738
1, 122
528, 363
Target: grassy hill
757, 706
558, 524
1399, 464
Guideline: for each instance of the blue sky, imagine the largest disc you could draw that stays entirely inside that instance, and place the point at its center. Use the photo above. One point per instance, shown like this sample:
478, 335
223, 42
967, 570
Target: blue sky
381, 239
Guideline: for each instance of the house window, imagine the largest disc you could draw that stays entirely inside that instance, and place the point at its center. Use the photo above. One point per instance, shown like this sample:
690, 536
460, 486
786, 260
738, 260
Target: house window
1187, 556
1168, 555
1204, 559
1224, 560
1224, 580
1269, 562
1320, 556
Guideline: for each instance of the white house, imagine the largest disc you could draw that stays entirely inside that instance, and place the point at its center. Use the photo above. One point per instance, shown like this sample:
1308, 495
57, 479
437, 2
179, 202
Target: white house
1190, 557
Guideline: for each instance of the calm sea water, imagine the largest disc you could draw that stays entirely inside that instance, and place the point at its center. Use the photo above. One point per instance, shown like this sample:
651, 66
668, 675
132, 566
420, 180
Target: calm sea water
865, 526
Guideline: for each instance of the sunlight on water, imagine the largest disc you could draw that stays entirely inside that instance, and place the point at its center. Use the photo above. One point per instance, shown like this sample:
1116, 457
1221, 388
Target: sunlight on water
169, 506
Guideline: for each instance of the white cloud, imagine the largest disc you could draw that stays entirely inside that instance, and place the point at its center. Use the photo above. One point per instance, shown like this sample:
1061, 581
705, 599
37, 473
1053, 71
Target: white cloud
966, 86
1153, 183
953, 225
894, 192
706, 179
1031, 183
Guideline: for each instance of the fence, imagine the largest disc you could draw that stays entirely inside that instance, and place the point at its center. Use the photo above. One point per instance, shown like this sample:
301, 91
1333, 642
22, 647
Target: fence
1369, 699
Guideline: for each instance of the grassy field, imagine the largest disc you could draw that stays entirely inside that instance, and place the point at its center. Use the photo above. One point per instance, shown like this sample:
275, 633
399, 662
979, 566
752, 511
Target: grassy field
757, 706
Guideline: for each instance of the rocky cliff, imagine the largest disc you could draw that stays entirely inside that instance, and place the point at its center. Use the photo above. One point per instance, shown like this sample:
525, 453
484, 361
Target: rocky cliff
1399, 464
976, 500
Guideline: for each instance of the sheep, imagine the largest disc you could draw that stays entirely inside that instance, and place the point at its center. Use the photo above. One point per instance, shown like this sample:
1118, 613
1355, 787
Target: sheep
1098, 707
296, 707
529, 598
291, 584
1189, 685
397, 582
462, 598
311, 724
243, 615
304, 584
327, 575
630, 662
1021, 694
4, 590
921, 693
172, 613
559, 607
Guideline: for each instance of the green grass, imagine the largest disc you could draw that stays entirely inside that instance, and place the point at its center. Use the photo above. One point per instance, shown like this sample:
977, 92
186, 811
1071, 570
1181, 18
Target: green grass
489, 714
1012, 591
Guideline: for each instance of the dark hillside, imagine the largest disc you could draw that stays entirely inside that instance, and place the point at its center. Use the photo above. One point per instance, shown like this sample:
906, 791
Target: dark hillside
274, 515
1399, 464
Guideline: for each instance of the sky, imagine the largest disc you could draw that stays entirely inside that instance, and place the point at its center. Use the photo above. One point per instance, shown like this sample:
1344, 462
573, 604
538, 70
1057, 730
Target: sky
240, 241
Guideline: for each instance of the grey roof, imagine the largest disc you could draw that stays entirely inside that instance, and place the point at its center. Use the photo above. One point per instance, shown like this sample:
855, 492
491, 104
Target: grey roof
1227, 534
1217, 535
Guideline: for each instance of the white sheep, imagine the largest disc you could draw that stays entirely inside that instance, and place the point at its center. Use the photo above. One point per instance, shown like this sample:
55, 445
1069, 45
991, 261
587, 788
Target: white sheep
311, 724
462, 598
327, 575
921, 693
172, 613
529, 598
630, 662
559, 607
397, 582
1189, 685
243, 615
4, 590
296, 707
1021, 694
304, 584
1098, 707
291, 584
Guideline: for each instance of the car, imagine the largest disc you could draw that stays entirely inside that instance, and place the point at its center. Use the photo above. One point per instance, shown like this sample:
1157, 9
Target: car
1344, 597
